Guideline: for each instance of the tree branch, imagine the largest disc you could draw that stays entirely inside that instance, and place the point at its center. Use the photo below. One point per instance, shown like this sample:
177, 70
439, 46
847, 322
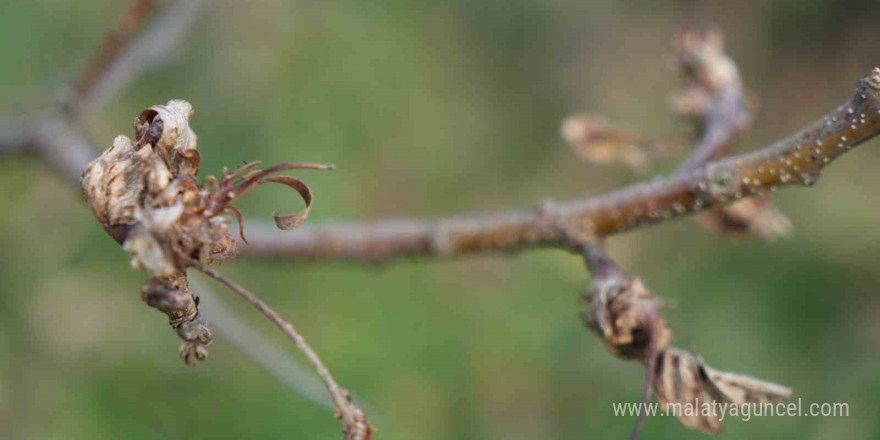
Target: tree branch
797, 159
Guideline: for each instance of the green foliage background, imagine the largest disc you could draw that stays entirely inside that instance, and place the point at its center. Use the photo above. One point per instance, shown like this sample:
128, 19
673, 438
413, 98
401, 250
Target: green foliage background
431, 108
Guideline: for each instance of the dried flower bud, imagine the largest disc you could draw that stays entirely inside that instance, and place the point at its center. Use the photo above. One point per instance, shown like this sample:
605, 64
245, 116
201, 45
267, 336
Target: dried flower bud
116, 183
166, 128
171, 296
146, 196
621, 310
624, 313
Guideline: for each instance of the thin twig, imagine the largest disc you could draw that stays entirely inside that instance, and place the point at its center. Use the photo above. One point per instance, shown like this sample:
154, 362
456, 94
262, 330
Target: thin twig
723, 111
728, 117
250, 341
56, 134
357, 426
797, 159
149, 50
113, 45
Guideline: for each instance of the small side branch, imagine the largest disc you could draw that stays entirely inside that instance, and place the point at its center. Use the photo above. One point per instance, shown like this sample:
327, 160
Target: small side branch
716, 99
357, 427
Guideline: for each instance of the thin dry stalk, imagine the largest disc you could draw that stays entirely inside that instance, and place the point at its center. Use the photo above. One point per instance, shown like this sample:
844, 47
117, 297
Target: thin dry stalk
357, 427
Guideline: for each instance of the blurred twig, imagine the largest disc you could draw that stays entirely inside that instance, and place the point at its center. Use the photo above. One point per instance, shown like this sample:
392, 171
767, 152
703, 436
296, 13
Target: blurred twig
114, 43
269, 355
149, 50
715, 99
56, 134
357, 427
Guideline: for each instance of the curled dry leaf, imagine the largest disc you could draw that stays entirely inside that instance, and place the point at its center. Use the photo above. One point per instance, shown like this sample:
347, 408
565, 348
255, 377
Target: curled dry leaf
147, 197
596, 140
626, 316
695, 390
755, 217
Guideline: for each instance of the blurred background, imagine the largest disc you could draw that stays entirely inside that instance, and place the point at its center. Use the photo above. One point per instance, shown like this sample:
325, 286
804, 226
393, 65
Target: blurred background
428, 109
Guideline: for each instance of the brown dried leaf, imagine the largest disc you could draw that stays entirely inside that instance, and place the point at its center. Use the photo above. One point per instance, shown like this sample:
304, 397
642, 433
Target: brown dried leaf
596, 140
288, 222
682, 380
756, 217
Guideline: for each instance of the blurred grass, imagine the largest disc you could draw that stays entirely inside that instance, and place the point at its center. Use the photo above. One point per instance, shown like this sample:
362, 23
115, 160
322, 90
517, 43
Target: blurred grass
429, 109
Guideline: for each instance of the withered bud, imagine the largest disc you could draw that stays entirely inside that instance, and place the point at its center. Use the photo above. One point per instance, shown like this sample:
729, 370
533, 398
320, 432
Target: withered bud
166, 128
622, 311
116, 183
171, 296
147, 197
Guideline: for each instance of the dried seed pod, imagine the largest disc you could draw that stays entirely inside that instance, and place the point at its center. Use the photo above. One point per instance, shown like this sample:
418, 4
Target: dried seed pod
596, 140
